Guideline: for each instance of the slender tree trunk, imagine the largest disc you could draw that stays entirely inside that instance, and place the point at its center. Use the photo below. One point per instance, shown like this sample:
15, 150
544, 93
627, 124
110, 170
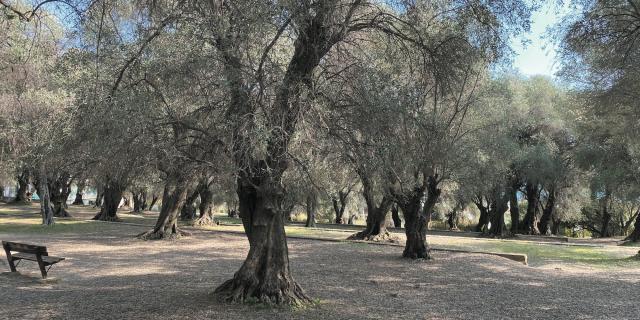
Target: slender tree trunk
173, 199
415, 225
547, 214
2, 193
22, 192
395, 216
78, 201
533, 197
206, 206
112, 195
605, 231
312, 208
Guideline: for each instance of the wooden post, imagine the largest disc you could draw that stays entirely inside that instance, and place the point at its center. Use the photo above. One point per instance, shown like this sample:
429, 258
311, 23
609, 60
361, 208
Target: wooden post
12, 266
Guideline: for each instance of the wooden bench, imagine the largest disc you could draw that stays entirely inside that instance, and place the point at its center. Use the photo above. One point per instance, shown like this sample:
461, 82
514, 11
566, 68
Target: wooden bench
29, 252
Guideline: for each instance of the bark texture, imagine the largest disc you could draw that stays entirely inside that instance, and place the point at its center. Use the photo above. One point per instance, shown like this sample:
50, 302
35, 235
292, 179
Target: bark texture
207, 204
339, 205
514, 209
312, 209
545, 223
395, 216
635, 235
45, 201
483, 221
78, 200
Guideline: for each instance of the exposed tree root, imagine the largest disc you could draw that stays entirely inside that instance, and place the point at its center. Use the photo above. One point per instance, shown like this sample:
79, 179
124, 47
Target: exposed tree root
285, 292
104, 217
162, 235
381, 237
205, 221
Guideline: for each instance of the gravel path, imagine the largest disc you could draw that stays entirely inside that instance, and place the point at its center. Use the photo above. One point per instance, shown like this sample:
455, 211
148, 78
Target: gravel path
113, 276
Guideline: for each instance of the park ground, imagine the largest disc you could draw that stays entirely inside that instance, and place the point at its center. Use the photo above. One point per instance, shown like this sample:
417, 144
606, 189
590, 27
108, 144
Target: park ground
109, 274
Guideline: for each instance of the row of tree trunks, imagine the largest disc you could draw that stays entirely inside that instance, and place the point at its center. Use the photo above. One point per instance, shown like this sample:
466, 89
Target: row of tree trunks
416, 209
112, 192
79, 201
175, 193
529, 225
22, 192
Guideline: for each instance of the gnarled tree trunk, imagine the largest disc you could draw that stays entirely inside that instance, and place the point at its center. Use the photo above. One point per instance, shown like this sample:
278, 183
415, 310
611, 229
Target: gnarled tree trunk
188, 210
339, 205
112, 195
154, 200
206, 206
22, 192
78, 201
635, 235
498, 207
376, 229
547, 214
416, 221
173, 199
99, 195
483, 222
45, 203
529, 225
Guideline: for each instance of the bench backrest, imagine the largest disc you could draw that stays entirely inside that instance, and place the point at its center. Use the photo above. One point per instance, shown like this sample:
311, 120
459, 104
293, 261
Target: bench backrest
25, 248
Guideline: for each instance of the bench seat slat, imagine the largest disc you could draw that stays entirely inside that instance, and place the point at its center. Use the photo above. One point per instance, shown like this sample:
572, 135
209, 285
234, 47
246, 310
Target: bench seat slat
48, 260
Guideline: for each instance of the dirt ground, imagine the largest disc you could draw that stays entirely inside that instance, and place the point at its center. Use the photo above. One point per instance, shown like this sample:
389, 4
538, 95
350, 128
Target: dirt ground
111, 275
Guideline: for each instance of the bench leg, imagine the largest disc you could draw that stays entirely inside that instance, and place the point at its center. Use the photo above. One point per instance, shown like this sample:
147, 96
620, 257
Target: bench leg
43, 270
12, 266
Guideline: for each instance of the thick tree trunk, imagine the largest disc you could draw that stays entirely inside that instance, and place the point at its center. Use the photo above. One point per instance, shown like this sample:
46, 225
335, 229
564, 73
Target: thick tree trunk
498, 208
139, 200
483, 222
415, 224
312, 208
22, 192
635, 235
173, 199
78, 201
59, 191
514, 210
2, 193
111, 197
529, 225
547, 214
206, 206
376, 229
188, 210
395, 216
339, 205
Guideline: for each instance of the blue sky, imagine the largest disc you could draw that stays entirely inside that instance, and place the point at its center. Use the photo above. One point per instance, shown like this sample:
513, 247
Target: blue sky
539, 55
